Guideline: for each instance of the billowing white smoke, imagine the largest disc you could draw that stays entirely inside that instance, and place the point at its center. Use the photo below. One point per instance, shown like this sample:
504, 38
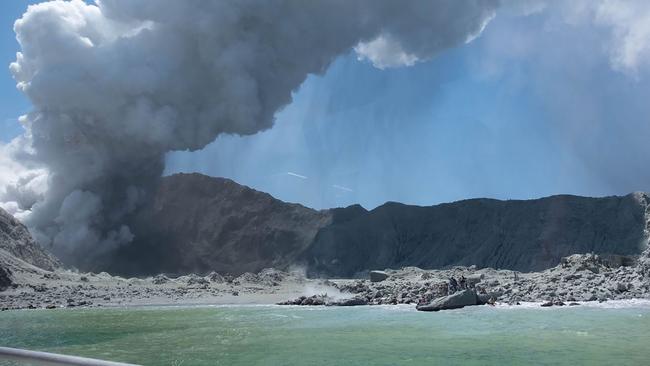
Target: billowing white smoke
116, 85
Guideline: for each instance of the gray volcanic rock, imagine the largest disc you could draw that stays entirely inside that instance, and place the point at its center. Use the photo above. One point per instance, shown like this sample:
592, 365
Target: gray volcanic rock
201, 224
17, 241
455, 301
314, 300
378, 276
355, 301
643, 264
526, 235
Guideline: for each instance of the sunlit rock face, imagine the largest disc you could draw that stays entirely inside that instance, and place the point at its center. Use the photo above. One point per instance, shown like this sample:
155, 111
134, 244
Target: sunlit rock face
16, 240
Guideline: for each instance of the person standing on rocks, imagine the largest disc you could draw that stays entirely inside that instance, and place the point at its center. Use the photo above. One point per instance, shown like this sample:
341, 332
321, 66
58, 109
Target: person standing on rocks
452, 287
463, 283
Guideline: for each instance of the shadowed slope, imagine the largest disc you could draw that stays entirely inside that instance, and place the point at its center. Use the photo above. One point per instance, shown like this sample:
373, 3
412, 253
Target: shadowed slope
522, 235
199, 224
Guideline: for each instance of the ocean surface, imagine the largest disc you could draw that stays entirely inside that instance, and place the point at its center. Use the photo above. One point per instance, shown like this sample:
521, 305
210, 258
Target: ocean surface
603, 334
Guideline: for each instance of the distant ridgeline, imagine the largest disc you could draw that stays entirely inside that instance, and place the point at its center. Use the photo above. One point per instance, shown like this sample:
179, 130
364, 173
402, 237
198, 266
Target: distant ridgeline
199, 224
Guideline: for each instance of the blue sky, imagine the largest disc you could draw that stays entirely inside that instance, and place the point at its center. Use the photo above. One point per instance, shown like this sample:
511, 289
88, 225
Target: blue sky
531, 108
481, 120
12, 102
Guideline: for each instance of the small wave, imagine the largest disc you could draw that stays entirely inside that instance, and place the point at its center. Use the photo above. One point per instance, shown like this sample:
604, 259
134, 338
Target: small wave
610, 304
619, 304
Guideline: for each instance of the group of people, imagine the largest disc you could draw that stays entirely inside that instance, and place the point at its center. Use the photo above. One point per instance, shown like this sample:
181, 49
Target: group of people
454, 286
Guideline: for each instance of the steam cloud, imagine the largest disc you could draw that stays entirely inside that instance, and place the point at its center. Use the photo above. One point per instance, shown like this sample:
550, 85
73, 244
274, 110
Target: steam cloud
118, 84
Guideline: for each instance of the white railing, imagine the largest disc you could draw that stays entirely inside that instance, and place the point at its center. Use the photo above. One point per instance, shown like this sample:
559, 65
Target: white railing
51, 359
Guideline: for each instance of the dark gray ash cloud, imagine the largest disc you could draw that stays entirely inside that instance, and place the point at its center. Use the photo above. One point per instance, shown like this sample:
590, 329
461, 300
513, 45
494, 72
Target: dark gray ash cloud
116, 85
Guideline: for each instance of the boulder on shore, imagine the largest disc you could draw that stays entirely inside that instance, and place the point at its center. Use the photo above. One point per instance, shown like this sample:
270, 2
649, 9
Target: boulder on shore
487, 298
455, 301
307, 300
355, 301
378, 276
325, 300
160, 279
473, 280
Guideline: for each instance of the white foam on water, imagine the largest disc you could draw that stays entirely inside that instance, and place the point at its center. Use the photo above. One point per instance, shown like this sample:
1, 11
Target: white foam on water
610, 304
398, 307
619, 304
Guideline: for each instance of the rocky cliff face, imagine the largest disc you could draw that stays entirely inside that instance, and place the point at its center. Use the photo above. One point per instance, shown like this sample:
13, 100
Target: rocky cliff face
200, 224
526, 235
16, 240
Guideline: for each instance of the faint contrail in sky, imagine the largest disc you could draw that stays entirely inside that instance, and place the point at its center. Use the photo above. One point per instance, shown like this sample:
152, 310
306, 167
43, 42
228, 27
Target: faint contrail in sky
342, 188
296, 175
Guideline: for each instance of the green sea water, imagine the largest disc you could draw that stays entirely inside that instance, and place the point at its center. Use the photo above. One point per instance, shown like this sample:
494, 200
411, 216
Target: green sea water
274, 335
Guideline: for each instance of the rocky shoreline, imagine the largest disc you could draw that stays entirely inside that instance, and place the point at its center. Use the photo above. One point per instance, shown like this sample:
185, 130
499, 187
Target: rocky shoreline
30, 277
578, 278
30, 287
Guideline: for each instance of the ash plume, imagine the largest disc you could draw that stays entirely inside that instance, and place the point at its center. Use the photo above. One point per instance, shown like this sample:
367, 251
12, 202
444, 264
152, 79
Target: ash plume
116, 85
